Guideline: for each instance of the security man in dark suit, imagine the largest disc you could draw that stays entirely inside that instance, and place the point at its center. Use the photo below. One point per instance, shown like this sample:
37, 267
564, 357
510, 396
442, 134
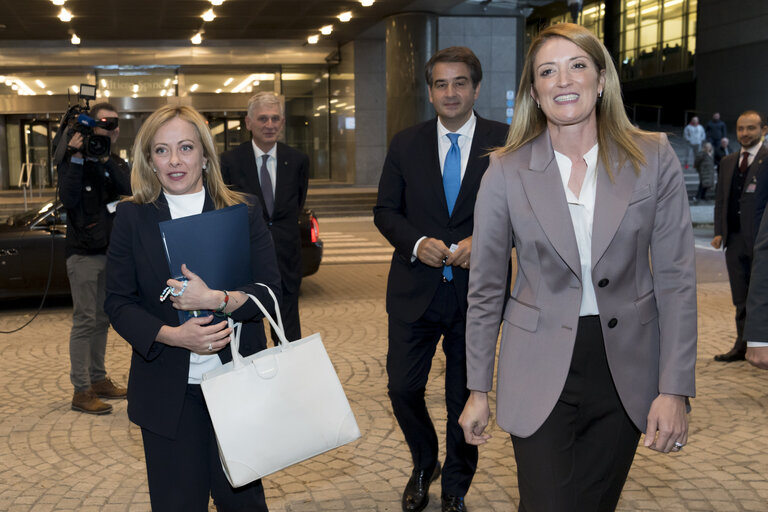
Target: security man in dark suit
425, 209
735, 207
279, 176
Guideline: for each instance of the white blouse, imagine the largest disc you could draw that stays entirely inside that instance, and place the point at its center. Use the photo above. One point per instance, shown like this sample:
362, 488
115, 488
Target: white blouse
582, 211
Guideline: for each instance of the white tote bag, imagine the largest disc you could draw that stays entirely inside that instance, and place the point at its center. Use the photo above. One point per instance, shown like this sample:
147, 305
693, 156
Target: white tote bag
277, 407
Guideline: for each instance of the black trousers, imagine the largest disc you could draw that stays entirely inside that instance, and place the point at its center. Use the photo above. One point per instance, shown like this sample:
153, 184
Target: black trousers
185, 471
738, 261
579, 459
409, 360
289, 310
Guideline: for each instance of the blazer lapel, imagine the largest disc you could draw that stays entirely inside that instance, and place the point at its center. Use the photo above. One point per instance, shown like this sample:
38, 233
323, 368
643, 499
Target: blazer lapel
476, 164
152, 239
544, 190
430, 162
282, 175
611, 201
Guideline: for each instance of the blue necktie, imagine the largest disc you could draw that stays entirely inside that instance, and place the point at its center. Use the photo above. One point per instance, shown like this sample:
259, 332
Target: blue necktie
451, 183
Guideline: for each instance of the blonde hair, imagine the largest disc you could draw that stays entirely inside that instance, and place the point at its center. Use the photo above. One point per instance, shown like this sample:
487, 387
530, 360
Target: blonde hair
144, 183
613, 126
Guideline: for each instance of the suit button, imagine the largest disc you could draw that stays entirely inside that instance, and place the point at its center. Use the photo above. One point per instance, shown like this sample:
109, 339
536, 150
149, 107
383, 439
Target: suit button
602, 283
612, 323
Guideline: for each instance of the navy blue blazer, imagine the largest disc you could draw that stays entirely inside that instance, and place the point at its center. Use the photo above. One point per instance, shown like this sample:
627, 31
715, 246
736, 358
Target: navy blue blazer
137, 271
411, 203
238, 169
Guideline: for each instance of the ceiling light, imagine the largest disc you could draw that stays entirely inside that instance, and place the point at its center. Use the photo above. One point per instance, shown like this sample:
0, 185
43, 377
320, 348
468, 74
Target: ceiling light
162, 92
14, 87
75, 40
175, 81
40, 84
345, 16
326, 30
103, 83
194, 87
65, 15
208, 15
49, 93
58, 2
218, 91
170, 92
74, 88
217, 2
313, 39
197, 38
135, 88
106, 93
228, 81
167, 81
367, 3
256, 83
250, 79
134, 95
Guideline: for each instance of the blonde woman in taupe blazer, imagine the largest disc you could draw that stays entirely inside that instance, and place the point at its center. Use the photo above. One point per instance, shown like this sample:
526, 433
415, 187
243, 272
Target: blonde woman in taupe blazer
599, 334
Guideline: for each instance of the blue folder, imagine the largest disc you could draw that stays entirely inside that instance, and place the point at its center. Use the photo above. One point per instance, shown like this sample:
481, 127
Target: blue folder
214, 245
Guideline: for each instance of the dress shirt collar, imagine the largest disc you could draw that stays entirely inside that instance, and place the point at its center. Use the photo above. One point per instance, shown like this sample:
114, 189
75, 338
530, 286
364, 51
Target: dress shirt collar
467, 129
258, 152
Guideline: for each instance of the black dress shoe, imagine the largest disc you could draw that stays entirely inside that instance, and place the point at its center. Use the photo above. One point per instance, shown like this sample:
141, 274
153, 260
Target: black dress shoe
730, 356
453, 503
416, 494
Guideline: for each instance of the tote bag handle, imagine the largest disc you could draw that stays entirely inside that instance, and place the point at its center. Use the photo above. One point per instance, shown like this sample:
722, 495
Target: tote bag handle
234, 337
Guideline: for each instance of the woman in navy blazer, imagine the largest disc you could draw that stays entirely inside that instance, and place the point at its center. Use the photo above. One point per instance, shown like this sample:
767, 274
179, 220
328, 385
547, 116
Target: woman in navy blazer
176, 173
599, 333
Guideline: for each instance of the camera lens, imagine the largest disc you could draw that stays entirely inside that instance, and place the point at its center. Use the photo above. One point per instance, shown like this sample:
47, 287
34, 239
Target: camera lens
97, 146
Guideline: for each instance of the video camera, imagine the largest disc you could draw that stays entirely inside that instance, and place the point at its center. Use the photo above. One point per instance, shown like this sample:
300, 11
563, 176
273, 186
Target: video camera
76, 119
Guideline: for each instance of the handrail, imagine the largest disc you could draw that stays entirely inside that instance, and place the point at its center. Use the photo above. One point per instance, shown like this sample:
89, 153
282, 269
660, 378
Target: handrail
25, 184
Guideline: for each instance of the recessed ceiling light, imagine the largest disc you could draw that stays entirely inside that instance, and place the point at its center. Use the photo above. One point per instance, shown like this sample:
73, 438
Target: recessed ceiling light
217, 2
103, 83
49, 93
228, 81
367, 3
218, 91
194, 87
162, 92
167, 81
106, 93
135, 87
75, 40
313, 39
40, 84
74, 88
345, 16
326, 30
208, 15
197, 38
58, 2
65, 15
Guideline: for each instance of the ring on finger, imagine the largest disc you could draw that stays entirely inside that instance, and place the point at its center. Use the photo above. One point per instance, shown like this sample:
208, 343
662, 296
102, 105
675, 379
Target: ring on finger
210, 347
679, 445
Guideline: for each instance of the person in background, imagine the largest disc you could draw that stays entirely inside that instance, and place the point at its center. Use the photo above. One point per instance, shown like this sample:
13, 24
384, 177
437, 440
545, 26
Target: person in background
716, 129
279, 176
89, 188
722, 149
735, 210
705, 167
596, 348
176, 174
694, 134
756, 323
425, 209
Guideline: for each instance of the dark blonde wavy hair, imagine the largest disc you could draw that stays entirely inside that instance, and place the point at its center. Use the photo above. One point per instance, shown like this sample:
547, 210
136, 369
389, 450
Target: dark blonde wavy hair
144, 183
613, 126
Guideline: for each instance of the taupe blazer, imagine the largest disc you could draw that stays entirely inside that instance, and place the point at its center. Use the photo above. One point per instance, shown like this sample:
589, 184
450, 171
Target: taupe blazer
648, 316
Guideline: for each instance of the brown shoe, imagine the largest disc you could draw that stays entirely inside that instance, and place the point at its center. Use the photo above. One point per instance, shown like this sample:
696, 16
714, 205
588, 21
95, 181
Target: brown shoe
89, 403
107, 389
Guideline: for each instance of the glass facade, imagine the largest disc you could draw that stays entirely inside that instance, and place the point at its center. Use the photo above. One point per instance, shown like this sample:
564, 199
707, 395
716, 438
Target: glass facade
657, 37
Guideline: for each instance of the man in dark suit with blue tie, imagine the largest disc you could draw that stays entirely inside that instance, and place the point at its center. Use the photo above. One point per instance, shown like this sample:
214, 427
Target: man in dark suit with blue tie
279, 176
425, 209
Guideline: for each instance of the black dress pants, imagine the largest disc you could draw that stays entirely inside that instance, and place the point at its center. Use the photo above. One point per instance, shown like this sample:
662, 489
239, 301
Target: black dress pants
185, 471
738, 261
409, 360
579, 458
289, 310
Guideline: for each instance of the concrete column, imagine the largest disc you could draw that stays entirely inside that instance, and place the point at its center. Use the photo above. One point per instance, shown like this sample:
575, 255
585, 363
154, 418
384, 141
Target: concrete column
4, 171
411, 39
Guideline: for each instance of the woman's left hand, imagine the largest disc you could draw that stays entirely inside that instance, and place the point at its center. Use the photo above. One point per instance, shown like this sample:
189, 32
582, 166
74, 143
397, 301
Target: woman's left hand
196, 295
668, 419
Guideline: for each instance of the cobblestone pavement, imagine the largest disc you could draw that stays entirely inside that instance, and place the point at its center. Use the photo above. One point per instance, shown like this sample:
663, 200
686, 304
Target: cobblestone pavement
57, 459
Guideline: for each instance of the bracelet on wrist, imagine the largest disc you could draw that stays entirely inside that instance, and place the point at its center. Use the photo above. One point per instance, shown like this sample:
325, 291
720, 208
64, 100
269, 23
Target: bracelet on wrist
223, 304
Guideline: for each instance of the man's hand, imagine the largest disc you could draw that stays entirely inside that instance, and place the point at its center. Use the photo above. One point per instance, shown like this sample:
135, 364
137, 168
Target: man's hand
474, 418
667, 417
432, 252
758, 356
460, 257
716, 242
75, 144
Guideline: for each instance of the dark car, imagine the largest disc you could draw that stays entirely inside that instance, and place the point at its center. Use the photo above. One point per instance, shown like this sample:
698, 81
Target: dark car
32, 249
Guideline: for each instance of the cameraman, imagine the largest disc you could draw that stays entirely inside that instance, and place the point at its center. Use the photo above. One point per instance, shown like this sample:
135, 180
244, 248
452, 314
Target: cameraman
88, 188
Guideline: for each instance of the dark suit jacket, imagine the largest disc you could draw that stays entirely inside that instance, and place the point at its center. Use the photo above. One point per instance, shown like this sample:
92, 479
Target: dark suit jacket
238, 168
757, 171
648, 318
756, 325
137, 271
411, 204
